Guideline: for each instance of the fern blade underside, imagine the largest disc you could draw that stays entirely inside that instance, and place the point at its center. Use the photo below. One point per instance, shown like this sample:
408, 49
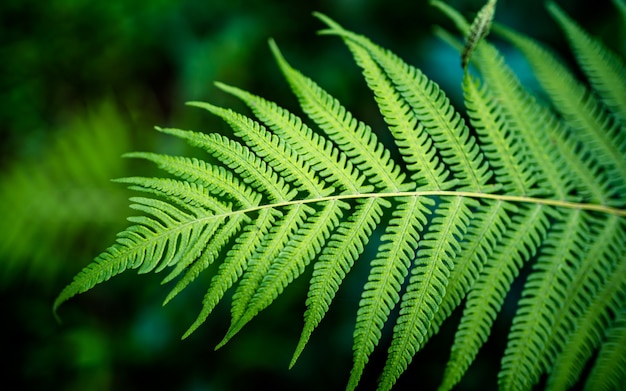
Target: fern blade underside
284, 193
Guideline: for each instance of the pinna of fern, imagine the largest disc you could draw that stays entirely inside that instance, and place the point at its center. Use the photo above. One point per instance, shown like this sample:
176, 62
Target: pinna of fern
549, 332
468, 206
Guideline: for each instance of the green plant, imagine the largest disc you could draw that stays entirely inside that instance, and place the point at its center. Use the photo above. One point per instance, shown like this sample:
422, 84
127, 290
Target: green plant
47, 203
461, 210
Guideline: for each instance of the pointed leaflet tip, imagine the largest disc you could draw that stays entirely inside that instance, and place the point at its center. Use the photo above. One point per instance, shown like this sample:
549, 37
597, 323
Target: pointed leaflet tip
194, 103
55, 309
235, 327
229, 335
284, 66
208, 107
304, 338
193, 327
219, 85
334, 27
276, 51
328, 21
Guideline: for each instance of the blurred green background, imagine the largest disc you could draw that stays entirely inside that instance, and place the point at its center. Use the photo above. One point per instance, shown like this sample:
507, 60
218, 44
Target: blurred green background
82, 82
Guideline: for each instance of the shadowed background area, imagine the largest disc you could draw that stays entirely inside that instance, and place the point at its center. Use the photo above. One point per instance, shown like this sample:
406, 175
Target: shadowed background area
82, 82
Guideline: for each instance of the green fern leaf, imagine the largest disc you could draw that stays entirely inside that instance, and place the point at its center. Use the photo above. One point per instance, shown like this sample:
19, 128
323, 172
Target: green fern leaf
235, 264
353, 137
210, 252
595, 262
276, 152
212, 180
488, 293
589, 121
531, 122
261, 259
168, 227
389, 270
322, 155
605, 70
609, 371
469, 205
301, 249
497, 140
587, 331
413, 141
488, 225
335, 262
521, 364
427, 286
430, 106
240, 159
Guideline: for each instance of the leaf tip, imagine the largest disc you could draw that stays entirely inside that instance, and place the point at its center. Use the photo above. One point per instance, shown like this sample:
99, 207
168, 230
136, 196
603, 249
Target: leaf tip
334, 27
55, 310
195, 103
223, 342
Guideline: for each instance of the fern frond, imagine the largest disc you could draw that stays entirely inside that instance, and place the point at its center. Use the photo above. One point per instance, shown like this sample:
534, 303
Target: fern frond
327, 161
170, 236
388, 272
569, 166
512, 171
353, 137
597, 259
543, 291
241, 160
209, 253
261, 259
609, 370
587, 332
210, 180
272, 149
431, 107
463, 209
488, 225
335, 261
184, 194
605, 70
532, 123
590, 123
180, 192
415, 145
427, 286
301, 249
487, 295
235, 264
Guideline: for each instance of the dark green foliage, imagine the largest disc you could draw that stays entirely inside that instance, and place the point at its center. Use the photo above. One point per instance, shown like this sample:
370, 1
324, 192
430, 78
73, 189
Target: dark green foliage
63, 199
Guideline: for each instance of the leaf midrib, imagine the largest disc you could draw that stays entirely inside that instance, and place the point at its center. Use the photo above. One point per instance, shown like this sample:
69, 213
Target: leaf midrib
433, 193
